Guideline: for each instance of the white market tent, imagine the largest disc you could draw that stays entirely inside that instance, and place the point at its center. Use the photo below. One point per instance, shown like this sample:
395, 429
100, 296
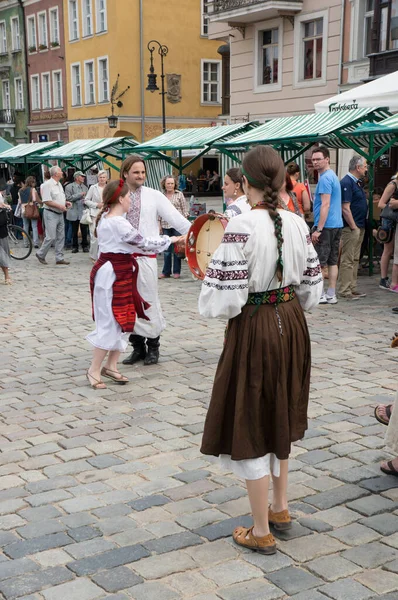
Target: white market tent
379, 93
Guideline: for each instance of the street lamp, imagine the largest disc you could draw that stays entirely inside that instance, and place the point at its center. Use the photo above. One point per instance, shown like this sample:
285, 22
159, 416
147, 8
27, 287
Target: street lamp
152, 85
115, 99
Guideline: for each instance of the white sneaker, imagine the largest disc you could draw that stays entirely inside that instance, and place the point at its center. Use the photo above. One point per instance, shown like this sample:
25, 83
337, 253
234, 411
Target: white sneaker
322, 299
331, 299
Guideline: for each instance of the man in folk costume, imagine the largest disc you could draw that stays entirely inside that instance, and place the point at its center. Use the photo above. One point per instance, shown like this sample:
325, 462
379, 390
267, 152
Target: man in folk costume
146, 208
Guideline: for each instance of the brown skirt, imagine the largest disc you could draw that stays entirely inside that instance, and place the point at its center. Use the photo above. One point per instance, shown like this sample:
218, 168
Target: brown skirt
261, 388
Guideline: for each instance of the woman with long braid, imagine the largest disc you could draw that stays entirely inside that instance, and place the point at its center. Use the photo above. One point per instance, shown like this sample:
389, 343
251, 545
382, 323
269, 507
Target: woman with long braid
265, 272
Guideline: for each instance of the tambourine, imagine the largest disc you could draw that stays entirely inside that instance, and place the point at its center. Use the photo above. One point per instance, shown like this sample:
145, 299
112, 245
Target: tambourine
203, 239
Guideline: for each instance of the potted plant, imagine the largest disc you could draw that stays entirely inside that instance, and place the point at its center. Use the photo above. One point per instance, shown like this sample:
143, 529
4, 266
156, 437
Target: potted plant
43, 47
55, 44
32, 49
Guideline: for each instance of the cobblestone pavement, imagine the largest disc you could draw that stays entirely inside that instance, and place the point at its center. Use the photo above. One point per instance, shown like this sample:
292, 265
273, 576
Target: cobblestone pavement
104, 494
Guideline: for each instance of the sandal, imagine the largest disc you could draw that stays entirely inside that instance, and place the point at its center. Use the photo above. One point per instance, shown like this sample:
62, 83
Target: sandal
280, 520
98, 385
121, 380
8, 282
380, 418
244, 537
391, 471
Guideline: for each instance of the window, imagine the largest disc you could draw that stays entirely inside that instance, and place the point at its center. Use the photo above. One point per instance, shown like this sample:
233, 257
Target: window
35, 89
368, 19
87, 18
73, 21
46, 90
16, 39
3, 38
383, 40
6, 94
54, 27
43, 37
32, 41
103, 80
310, 49
76, 85
89, 82
19, 103
211, 86
205, 17
101, 16
57, 89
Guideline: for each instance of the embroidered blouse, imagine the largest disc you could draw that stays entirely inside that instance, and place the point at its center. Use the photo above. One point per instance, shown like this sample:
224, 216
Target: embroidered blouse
245, 262
179, 202
237, 207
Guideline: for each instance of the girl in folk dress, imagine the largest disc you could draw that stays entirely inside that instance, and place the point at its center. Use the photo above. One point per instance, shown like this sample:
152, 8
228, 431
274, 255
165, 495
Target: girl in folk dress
262, 276
234, 195
113, 282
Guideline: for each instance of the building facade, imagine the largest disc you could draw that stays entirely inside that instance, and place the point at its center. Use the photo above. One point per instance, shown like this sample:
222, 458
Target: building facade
284, 55
106, 42
13, 89
45, 42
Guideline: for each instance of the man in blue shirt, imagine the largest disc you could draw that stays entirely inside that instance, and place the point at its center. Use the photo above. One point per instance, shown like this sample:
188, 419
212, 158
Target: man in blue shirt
328, 221
355, 210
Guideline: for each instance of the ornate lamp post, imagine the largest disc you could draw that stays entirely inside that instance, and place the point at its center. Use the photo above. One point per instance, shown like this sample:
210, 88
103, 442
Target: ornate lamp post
152, 85
115, 99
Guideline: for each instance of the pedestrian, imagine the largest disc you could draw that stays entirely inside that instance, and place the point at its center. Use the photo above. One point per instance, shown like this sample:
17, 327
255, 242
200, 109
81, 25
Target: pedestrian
234, 196
75, 193
147, 206
115, 298
390, 198
328, 221
299, 188
55, 205
27, 196
172, 262
260, 393
93, 201
355, 210
213, 181
4, 245
288, 198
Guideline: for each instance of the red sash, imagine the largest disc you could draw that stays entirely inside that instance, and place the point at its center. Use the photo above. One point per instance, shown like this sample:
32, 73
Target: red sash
127, 303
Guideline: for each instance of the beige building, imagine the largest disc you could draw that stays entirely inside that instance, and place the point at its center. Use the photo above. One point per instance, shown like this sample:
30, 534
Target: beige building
285, 55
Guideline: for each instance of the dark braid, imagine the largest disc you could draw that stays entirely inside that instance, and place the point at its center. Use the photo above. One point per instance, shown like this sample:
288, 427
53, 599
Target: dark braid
265, 170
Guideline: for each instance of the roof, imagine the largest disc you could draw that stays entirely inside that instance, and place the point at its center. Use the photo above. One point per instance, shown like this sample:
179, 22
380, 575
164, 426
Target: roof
84, 149
193, 138
382, 91
4, 145
24, 152
305, 129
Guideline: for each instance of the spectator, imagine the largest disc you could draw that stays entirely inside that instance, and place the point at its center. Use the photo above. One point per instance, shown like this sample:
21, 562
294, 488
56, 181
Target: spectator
28, 194
55, 205
288, 198
234, 195
93, 201
299, 188
75, 193
328, 221
390, 197
4, 245
177, 199
213, 181
355, 210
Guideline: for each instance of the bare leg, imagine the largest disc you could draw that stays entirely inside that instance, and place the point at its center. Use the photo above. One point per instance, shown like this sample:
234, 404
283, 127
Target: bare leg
6, 274
333, 272
394, 276
96, 363
279, 484
258, 497
385, 259
112, 361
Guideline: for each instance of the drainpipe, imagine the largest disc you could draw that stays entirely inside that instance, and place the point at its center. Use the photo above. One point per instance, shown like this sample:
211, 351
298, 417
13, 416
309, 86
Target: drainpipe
27, 108
341, 43
142, 77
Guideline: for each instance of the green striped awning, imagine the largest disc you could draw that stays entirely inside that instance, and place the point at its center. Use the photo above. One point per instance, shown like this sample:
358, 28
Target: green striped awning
304, 129
193, 138
25, 152
4, 145
87, 149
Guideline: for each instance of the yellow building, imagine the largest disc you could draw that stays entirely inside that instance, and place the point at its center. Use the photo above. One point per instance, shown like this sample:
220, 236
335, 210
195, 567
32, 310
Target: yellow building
110, 37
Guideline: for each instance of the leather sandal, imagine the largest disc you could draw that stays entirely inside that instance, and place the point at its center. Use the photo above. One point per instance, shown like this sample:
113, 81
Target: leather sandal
98, 385
379, 416
121, 380
244, 537
280, 520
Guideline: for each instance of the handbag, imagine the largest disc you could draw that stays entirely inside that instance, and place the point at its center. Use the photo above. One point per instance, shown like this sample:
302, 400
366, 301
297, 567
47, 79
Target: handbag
30, 209
18, 211
388, 212
86, 217
383, 235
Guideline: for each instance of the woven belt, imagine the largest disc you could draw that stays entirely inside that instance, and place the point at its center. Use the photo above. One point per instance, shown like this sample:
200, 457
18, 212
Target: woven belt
284, 294
137, 255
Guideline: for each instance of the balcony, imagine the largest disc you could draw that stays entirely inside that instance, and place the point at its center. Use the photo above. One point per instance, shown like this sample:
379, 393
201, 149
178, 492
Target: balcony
252, 11
383, 63
7, 116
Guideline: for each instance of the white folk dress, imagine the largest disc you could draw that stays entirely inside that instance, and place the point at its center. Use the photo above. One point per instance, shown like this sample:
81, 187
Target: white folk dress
117, 236
245, 263
148, 206
237, 207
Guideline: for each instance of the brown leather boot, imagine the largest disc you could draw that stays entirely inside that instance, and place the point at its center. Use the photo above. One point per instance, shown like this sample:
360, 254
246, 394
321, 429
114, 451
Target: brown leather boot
280, 520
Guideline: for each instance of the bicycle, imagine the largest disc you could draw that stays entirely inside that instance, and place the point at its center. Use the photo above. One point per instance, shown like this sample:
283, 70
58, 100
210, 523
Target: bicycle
20, 242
